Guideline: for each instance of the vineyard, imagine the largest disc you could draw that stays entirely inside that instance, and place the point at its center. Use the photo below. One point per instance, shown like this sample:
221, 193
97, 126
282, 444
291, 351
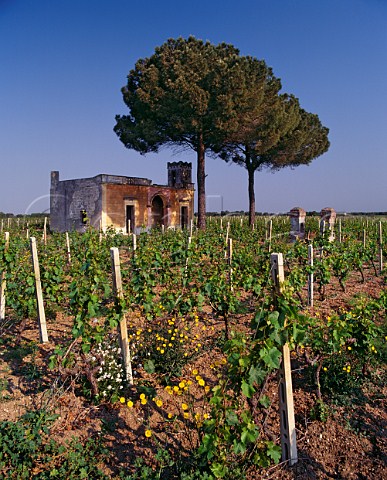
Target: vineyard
159, 356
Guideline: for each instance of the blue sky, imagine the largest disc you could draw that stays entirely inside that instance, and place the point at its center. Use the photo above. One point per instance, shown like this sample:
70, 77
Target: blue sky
63, 63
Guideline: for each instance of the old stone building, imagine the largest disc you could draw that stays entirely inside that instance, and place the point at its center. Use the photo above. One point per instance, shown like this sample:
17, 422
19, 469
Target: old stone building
127, 204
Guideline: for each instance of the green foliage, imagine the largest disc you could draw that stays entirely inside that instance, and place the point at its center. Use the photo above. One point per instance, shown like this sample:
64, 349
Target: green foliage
20, 279
320, 411
165, 465
165, 347
182, 95
3, 389
89, 294
270, 129
231, 439
341, 378
166, 282
26, 449
186, 77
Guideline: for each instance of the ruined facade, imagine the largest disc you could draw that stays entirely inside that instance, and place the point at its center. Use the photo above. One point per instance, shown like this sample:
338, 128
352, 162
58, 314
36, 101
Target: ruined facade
127, 204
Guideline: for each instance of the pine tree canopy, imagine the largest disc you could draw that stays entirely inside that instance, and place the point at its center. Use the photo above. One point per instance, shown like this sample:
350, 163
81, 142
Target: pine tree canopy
209, 98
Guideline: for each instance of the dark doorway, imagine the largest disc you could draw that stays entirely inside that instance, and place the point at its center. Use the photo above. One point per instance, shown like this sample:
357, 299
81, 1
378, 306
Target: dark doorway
157, 211
184, 217
129, 218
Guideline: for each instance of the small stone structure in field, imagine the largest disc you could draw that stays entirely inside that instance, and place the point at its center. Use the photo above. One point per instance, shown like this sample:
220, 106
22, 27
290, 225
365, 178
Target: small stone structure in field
127, 204
297, 222
327, 221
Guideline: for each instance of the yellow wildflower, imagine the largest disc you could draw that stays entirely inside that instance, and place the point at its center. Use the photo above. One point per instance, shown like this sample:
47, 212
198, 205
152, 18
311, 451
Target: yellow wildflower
148, 433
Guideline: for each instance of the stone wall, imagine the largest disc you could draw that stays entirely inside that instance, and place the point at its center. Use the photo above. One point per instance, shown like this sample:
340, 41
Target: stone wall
71, 201
106, 200
117, 197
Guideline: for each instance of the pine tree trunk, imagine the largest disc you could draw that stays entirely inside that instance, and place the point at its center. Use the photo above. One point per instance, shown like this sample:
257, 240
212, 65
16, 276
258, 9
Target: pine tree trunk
251, 197
201, 179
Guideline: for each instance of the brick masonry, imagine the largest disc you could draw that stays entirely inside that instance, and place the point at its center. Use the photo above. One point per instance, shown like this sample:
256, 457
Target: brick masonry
106, 201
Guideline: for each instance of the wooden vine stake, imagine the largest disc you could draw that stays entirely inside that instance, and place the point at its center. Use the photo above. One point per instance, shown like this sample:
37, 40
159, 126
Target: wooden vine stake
45, 231
380, 246
122, 328
270, 233
310, 276
3, 282
38, 289
187, 257
68, 248
227, 232
286, 405
229, 261
134, 242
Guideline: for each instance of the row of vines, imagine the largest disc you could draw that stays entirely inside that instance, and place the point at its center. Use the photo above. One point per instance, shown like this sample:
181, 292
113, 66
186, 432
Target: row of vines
189, 305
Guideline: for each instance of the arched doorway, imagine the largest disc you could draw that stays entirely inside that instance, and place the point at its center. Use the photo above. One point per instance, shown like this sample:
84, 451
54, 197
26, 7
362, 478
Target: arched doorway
157, 211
